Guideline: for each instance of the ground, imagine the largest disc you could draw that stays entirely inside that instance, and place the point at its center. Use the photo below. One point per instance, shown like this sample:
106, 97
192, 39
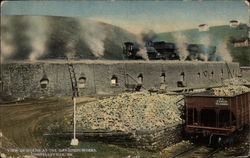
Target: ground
23, 125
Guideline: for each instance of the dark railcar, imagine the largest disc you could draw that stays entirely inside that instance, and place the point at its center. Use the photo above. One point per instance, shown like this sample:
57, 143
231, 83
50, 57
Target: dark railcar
216, 115
201, 52
166, 50
155, 50
130, 50
169, 51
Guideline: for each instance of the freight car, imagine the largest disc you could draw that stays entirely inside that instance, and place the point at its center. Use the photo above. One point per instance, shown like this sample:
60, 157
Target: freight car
168, 51
154, 50
201, 52
131, 49
207, 115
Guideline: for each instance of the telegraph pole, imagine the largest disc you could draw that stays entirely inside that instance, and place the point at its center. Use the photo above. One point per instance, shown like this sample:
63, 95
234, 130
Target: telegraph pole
74, 141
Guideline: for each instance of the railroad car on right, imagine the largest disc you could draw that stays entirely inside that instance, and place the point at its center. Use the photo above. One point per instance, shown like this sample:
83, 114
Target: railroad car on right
216, 113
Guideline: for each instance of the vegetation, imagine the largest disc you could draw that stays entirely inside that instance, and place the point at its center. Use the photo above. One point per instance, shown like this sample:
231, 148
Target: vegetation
216, 36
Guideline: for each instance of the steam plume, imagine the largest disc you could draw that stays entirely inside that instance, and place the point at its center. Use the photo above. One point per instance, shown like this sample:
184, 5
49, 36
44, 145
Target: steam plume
145, 39
205, 39
94, 37
148, 36
223, 51
143, 53
43, 37
14, 43
38, 33
181, 43
7, 49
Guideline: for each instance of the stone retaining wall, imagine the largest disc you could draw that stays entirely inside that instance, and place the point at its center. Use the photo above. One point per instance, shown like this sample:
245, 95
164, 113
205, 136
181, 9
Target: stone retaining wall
22, 79
155, 140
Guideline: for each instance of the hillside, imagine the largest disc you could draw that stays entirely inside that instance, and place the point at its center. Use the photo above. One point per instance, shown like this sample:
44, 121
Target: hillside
220, 36
43, 37
215, 34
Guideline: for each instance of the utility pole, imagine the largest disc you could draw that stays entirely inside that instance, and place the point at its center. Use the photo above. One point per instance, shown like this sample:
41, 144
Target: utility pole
74, 141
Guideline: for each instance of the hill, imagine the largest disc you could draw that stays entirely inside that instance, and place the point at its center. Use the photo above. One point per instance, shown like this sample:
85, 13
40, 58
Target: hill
215, 35
46, 37
219, 36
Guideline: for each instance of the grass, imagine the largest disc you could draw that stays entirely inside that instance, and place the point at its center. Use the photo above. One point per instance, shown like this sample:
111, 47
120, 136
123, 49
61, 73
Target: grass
216, 36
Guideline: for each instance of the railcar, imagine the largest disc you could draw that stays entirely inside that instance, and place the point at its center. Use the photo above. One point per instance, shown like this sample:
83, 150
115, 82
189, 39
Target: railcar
221, 116
162, 50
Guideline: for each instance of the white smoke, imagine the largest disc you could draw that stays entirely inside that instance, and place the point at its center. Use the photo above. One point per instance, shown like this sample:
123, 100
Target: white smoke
144, 38
223, 51
37, 32
143, 53
204, 57
70, 49
7, 47
205, 39
94, 37
181, 43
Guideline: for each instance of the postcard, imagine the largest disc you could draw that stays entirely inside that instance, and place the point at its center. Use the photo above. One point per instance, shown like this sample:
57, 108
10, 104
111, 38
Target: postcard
123, 78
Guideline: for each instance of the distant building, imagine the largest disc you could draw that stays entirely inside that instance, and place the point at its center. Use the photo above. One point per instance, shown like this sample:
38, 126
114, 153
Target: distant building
234, 23
241, 43
203, 27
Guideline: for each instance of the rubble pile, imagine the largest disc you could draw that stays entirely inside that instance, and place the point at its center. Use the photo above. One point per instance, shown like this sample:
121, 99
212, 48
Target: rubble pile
235, 82
129, 112
232, 87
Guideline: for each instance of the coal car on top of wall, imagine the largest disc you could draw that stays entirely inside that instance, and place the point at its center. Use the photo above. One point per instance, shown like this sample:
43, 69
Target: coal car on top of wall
208, 115
168, 51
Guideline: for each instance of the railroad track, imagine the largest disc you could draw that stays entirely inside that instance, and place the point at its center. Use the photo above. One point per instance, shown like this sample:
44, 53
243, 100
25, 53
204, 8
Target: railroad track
185, 151
211, 153
194, 149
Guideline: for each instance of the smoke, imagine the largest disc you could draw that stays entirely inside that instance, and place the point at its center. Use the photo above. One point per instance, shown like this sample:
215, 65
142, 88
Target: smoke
43, 37
7, 49
181, 43
204, 57
70, 49
223, 52
145, 39
143, 53
14, 40
205, 40
148, 36
37, 32
94, 37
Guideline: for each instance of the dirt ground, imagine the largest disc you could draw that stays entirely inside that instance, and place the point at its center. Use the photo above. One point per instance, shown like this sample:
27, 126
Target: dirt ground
20, 121
20, 125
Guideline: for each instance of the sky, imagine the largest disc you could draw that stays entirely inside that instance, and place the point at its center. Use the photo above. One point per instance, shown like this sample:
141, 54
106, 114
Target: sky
135, 16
